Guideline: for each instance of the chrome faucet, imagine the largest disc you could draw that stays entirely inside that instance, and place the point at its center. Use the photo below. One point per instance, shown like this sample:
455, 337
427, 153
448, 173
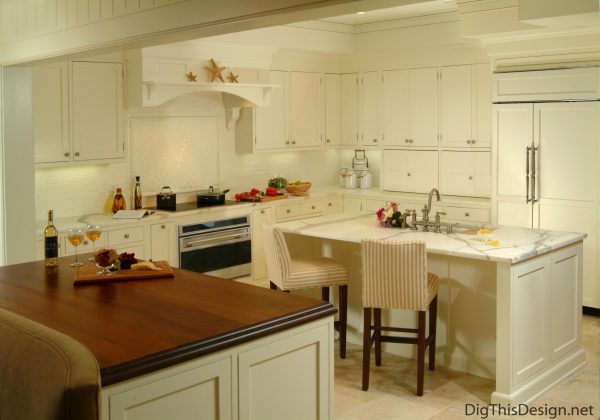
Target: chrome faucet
437, 193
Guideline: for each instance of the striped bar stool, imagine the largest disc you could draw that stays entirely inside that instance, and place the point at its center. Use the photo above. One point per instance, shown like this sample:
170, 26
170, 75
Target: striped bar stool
288, 273
395, 277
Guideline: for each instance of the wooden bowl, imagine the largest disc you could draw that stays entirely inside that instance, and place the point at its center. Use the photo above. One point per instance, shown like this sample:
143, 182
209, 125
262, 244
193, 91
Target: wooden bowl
298, 189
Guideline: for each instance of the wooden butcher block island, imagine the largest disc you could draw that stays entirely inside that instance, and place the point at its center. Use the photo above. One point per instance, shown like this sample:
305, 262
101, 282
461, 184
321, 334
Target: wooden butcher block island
190, 343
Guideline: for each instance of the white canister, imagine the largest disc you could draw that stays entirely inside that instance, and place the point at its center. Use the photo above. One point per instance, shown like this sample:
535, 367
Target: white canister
364, 178
350, 180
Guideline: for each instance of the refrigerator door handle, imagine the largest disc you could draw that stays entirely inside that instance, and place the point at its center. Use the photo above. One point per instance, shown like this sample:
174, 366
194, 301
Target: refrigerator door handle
527, 150
533, 164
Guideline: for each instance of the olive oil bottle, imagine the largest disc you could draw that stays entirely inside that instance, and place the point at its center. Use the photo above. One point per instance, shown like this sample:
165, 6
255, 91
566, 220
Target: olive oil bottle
51, 242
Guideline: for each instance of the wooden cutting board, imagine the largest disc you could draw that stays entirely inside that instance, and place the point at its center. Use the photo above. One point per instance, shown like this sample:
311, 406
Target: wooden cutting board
87, 274
265, 198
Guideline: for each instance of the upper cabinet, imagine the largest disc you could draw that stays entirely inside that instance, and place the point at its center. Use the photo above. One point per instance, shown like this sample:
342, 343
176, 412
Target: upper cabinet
410, 107
369, 104
332, 109
466, 106
293, 118
349, 109
77, 112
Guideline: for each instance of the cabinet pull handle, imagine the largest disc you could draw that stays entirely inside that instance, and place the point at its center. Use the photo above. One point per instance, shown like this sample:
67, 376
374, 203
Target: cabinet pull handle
408, 174
163, 226
287, 142
374, 140
126, 236
328, 141
329, 204
527, 150
406, 141
468, 141
313, 207
77, 153
533, 162
67, 154
85, 242
470, 177
293, 141
288, 211
262, 211
472, 141
467, 214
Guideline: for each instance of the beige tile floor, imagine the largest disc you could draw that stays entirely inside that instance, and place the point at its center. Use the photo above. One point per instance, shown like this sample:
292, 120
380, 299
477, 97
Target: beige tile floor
391, 390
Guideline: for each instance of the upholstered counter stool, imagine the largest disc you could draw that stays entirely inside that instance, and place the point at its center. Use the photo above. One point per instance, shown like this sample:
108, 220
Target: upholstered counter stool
395, 277
288, 274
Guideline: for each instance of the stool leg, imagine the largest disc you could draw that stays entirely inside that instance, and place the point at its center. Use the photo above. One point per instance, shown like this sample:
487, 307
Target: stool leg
366, 347
272, 285
377, 335
421, 353
343, 294
325, 293
432, 331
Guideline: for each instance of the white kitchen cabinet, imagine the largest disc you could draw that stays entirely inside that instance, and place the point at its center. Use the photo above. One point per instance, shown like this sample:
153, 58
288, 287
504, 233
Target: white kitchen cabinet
349, 109
333, 205
127, 239
410, 102
352, 205
305, 109
369, 108
467, 214
163, 243
260, 218
465, 106
96, 103
271, 123
77, 112
50, 99
333, 109
465, 173
410, 170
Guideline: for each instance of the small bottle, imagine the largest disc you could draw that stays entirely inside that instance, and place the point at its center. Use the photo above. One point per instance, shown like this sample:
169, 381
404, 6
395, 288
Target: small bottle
51, 242
137, 195
119, 201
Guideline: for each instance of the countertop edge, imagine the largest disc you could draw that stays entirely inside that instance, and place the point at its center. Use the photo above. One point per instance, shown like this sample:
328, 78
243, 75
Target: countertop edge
129, 370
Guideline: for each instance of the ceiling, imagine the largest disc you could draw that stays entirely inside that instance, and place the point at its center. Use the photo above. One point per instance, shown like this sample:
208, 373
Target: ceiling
380, 15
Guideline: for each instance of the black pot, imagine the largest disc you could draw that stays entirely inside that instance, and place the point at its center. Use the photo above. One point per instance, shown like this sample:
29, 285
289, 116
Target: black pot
166, 199
210, 197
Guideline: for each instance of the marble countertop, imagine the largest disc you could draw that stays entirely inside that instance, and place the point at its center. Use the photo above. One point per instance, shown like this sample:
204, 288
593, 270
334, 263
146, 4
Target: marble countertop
513, 245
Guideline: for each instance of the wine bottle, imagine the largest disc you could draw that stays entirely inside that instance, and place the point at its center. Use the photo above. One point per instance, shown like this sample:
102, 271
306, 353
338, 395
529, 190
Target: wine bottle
51, 242
137, 195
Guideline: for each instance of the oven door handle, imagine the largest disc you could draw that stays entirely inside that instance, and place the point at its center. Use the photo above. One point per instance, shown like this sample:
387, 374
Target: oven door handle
206, 243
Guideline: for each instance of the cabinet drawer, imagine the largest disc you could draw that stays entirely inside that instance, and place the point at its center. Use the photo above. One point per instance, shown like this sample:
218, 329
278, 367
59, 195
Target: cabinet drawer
313, 207
334, 206
285, 212
467, 214
126, 235
86, 246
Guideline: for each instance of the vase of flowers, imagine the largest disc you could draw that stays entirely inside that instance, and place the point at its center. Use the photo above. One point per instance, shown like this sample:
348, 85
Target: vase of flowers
390, 217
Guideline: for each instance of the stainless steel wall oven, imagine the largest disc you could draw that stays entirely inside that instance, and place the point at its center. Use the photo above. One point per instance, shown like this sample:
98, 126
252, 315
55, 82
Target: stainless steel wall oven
220, 248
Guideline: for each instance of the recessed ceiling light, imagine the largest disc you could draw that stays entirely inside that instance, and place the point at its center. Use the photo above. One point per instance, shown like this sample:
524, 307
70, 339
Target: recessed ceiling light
360, 13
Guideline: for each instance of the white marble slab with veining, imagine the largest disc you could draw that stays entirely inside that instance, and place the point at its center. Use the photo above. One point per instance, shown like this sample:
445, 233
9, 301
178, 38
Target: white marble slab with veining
515, 244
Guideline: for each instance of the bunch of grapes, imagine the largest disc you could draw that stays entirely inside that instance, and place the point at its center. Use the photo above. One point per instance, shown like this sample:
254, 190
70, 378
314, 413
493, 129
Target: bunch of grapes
127, 259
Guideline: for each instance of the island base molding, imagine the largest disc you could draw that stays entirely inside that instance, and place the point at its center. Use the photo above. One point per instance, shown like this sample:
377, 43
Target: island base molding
284, 375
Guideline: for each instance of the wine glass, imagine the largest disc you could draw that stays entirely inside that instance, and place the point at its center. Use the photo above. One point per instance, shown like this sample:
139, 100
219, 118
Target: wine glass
93, 233
75, 236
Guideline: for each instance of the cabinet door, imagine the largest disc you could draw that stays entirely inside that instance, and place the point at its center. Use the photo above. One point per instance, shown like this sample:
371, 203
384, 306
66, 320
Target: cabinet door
465, 173
513, 212
50, 98
567, 160
332, 110
424, 106
513, 133
481, 119
349, 108
259, 260
410, 171
531, 335
369, 108
271, 122
352, 205
97, 111
456, 106
334, 205
305, 109
395, 107
163, 243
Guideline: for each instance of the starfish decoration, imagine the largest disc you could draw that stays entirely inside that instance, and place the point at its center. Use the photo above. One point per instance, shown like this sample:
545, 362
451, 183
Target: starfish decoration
233, 78
191, 77
215, 71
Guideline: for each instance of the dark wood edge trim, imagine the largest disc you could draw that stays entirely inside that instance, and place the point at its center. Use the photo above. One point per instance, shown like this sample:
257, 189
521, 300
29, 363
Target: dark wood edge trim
591, 311
129, 370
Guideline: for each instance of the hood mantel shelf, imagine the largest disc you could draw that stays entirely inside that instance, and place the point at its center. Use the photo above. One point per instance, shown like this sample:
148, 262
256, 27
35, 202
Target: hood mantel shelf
235, 95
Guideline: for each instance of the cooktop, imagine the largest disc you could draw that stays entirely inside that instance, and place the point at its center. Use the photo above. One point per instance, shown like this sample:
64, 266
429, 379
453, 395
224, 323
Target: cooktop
191, 205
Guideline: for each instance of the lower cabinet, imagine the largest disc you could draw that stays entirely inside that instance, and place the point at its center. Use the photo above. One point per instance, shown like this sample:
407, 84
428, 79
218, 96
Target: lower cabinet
287, 375
163, 243
127, 239
260, 217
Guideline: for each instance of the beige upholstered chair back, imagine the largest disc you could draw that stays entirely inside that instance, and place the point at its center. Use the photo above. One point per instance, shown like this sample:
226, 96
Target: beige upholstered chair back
394, 275
279, 262
45, 375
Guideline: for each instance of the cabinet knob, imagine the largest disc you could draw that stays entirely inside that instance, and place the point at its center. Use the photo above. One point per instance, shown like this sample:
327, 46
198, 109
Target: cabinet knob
287, 142
288, 211
163, 226
328, 141
294, 142
408, 174
77, 153
262, 211
406, 141
467, 214
470, 177
468, 141
313, 207
472, 141
85, 242
329, 204
67, 154
374, 140
126, 236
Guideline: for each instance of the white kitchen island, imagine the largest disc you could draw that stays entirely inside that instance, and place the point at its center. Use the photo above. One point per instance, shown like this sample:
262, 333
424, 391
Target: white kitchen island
510, 312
